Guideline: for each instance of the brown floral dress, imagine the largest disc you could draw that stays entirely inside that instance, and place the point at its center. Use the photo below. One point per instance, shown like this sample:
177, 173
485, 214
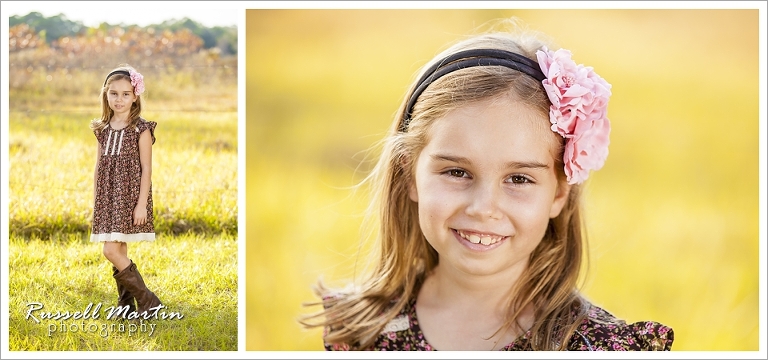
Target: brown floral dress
403, 333
117, 186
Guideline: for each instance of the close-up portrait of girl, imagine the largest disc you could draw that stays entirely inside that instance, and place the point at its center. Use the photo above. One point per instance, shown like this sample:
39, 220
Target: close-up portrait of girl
501, 180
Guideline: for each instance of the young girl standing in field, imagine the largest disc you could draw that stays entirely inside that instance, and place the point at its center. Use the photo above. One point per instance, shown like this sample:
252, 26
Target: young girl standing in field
477, 201
122, 210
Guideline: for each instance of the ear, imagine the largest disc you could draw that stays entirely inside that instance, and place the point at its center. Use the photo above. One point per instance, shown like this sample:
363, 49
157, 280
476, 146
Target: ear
561, 197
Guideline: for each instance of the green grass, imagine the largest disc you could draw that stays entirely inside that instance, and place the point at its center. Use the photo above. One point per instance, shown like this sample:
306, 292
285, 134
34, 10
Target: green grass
194, 276
192, 266
52, 156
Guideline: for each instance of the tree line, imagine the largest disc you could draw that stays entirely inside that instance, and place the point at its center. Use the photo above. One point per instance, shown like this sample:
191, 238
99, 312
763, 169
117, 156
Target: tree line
53, 28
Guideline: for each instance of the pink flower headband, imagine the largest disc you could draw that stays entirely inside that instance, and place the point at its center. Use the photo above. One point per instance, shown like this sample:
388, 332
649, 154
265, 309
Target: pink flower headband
578, 112
137, 80
579, 100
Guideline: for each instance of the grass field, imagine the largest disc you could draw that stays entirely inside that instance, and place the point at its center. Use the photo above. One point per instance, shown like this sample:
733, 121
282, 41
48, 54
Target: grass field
192, 266
672, 218
194, 276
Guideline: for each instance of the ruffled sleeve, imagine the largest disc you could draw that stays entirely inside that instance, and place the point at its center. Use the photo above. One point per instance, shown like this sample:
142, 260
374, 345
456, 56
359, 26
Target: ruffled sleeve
146, 125
617, 335
328, 301
98, 133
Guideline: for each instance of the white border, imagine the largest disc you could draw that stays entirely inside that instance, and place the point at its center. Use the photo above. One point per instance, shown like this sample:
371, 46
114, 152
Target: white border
762, 66
5, 7
4, 149
501, 4
241, 240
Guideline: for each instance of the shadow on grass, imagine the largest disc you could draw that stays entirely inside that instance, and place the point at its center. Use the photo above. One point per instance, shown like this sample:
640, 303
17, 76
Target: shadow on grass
66, 228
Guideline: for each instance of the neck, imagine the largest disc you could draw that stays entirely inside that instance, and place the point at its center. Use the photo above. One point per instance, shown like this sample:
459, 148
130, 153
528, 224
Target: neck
452, 302
492, 291
122, 119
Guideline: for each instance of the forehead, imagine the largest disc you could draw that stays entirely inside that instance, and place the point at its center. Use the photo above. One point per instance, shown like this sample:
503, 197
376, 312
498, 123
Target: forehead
497, 129
120, 85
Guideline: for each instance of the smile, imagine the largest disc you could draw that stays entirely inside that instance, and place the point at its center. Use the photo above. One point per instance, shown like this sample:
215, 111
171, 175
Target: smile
478, 238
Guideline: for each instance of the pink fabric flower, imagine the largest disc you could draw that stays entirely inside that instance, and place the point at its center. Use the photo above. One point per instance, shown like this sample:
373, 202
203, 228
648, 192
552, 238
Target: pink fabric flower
137, 80
578, 112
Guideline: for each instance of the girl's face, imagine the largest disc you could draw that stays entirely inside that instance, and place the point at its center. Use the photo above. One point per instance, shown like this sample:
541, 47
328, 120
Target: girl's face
486, 186
120, 96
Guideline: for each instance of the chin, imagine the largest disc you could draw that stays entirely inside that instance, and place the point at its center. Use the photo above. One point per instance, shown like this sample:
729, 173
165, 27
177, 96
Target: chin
482, 269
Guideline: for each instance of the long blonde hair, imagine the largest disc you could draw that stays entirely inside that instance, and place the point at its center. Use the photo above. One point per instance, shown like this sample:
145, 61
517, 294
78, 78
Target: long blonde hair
106, 112
404, 257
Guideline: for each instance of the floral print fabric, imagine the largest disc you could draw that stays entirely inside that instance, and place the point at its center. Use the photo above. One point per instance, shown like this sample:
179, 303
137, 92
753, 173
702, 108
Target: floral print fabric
404, 334
118, 181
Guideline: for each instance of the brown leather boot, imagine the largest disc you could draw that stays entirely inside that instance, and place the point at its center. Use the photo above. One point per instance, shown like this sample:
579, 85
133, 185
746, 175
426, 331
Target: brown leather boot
134, 283
125, 298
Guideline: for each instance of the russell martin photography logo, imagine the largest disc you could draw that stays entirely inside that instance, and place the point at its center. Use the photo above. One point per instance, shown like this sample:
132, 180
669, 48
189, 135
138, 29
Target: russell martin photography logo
73, 322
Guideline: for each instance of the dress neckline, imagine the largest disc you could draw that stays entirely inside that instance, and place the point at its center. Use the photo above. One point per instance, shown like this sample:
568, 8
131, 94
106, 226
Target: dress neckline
113, 129
417, 329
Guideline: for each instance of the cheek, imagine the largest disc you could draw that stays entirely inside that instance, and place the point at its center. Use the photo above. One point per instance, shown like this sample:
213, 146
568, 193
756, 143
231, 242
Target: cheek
432, 206
537, 221
434, 203
432, 220
535, 215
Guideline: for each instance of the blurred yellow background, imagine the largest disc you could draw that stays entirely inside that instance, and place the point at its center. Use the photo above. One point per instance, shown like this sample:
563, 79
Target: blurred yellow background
672, 217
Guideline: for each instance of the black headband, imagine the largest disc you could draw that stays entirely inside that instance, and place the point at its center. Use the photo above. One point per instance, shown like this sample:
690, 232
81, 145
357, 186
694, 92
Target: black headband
466, 59
116, 72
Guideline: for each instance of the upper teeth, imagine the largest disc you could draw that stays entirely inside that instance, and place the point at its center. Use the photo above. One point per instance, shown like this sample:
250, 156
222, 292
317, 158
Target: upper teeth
480, 239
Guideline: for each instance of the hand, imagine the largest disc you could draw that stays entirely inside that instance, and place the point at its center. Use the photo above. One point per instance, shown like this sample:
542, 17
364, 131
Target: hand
140, 215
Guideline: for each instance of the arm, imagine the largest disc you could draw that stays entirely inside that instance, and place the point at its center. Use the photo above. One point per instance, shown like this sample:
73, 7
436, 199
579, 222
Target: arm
96, 171
145, 157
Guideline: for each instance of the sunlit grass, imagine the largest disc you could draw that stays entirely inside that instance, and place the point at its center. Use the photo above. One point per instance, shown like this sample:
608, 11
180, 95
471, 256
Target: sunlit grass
194, 276
192, 266
53, 152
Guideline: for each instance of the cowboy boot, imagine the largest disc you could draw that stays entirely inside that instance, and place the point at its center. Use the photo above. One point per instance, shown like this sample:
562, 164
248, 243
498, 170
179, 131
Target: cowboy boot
131, 279
125, 298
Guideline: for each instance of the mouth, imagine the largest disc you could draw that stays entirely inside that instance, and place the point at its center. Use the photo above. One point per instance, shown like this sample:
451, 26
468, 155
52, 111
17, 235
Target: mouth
480, 238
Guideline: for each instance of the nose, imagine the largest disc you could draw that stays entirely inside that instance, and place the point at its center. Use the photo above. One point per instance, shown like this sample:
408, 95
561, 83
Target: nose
484, 202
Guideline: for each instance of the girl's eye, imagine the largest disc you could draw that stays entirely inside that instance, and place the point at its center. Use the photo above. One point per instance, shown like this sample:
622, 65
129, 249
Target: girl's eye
519, 179
457, 173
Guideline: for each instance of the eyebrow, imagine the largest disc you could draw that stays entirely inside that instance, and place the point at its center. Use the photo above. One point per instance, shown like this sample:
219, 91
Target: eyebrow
512, 164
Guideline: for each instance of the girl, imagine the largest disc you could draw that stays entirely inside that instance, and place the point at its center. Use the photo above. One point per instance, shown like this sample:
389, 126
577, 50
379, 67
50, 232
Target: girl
477, 199
122, 211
